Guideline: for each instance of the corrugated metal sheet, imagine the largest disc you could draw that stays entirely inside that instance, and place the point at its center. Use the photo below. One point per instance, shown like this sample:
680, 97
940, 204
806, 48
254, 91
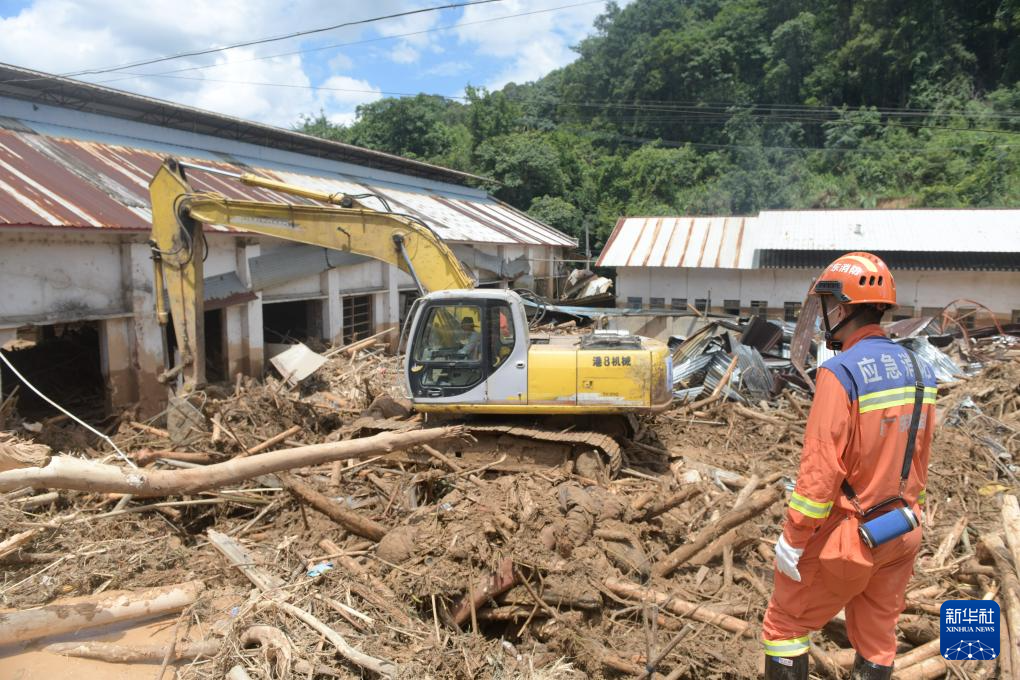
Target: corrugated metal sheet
677, 242
54, 181
987, 230
962, 239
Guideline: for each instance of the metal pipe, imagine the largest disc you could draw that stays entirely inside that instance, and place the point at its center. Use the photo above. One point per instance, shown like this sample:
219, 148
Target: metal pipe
398, 239
204, 168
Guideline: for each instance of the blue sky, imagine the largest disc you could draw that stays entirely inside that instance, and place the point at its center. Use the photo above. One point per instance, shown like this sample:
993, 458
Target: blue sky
437, 52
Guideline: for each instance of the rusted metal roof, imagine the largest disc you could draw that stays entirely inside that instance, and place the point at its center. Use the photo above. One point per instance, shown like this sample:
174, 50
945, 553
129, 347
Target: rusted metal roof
677, 242
75, 95
64, 182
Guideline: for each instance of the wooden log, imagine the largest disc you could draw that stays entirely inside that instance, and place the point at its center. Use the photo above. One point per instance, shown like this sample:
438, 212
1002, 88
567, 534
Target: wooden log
68, 616
919, 654
14, 543
1011, 527
33, 502
673, 501
149, 429
733, 539
757, 415
487, 587
17, 453
272, 441
948, 544
348, 519
674, 604
114, 653
67, 472
359, 344
1009, 595
238, 556
934, 667
755, 505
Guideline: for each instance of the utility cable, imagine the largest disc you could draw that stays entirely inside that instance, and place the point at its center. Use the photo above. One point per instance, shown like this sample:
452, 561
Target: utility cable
261, 41
395, 36
63, 410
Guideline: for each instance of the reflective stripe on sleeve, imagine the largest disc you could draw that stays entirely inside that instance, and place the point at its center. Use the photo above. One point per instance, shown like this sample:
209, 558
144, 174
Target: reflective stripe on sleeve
793, 647
922, 497
810, 508
898, 396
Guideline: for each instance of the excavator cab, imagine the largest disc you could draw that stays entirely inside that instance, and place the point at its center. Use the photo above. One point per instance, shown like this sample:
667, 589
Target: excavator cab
460, 348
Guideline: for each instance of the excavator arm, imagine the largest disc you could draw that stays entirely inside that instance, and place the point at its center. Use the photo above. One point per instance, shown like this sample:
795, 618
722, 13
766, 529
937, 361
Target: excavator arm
179, 246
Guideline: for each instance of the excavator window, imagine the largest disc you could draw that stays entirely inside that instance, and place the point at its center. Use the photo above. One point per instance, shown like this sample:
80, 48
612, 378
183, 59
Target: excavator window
458, 344
501, 336
451, 345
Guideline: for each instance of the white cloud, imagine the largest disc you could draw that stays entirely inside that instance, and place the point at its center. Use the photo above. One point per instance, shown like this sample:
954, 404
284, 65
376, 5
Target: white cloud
449, 68
66, 36
403, 53
533, 45
340, 62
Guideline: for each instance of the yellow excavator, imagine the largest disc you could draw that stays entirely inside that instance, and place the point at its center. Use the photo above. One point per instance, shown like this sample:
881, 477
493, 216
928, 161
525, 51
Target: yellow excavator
468, 350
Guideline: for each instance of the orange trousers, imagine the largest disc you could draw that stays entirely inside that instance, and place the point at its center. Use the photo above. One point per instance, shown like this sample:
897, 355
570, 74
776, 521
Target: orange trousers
796, 609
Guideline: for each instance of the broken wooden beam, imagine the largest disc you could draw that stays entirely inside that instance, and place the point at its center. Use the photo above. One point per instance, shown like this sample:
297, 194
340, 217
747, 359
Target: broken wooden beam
272, 441
93, 611
111, 652
68, 472
756, 504
634, 592
348, 519
487, 587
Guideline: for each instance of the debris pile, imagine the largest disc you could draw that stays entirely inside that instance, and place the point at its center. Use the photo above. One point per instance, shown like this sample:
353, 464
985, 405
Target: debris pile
321, 530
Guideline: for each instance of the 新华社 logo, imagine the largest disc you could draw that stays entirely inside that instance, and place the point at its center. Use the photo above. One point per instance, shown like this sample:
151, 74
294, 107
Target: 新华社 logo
969, 630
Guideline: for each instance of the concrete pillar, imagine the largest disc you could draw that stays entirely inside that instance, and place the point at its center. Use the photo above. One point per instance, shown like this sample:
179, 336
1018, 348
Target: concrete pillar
386, 312
147, 346
251, 314
237, 350
115, 363
332, 308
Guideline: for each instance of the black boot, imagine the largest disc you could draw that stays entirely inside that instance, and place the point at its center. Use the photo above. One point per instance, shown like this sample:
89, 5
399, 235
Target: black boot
865, 670
786, 667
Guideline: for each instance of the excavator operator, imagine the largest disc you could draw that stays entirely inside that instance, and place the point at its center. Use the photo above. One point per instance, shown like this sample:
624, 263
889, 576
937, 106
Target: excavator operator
852, 529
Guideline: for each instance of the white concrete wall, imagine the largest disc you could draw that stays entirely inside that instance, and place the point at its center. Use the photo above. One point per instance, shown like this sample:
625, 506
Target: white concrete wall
59, 276
1000, 291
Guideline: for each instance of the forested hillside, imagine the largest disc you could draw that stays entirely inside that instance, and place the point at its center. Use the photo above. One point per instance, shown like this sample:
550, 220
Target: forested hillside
734, 106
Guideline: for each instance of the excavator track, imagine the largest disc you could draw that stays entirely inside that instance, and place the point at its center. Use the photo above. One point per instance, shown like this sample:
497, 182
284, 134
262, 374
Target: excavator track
511, 447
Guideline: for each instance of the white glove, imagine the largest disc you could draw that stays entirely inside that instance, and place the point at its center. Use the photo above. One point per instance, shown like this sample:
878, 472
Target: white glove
787, 558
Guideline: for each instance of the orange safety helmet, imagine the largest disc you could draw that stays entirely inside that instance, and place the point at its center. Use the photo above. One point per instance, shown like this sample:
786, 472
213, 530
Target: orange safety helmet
857, 278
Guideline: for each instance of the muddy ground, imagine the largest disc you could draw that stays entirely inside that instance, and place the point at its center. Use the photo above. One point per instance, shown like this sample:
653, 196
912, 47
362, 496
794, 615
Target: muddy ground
542, 551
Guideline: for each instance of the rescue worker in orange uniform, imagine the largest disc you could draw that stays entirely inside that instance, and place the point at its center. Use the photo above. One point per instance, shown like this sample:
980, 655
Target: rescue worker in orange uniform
856, 438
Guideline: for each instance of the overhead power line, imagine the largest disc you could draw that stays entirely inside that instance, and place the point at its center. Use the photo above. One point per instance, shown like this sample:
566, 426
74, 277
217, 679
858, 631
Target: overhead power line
396, 36
288, 36
690, 115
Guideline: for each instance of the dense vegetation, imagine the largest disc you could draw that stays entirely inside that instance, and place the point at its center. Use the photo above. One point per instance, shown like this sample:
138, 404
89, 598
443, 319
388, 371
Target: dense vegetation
734, 106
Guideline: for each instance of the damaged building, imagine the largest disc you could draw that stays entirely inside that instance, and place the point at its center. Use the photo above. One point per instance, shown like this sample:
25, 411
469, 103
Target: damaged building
75, 267
763, 265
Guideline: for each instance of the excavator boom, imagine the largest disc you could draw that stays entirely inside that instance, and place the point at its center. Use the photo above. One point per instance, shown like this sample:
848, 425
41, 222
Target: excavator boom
178, 244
